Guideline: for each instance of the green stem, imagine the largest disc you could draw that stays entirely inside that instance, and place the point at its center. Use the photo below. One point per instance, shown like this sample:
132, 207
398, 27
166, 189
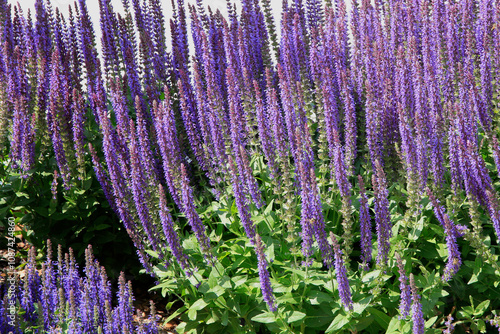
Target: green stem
287, 327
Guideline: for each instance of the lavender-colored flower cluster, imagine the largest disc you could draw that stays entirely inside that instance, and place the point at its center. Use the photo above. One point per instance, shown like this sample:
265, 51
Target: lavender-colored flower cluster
450, 326
404, 83
68, 298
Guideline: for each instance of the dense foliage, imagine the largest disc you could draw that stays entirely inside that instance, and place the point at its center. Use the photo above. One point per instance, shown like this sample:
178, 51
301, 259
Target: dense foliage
340, 174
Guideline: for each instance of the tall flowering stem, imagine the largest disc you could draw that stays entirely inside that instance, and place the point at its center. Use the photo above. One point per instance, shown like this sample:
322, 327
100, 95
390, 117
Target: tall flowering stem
171, 235
241, 204
265, 283
382, 216
452, 233
189, 209
417, 316
366, 226
341, 275
405, 301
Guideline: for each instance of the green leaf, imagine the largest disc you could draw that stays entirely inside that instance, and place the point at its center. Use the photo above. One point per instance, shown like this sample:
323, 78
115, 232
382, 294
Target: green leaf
481, 308
430, 322
337, 323
417, 229
100, 227
198, 305
238, 280
181, 328
42, 211
225, 317
295, 316
192, 314
380, 317
214, 293
265, 318
22, 194
87, 183
80, 191
317, 297
269, 252
269, 208
481, 326
370, 276
360, 306
289, 299
394, 326
176, 314
318, 321
225, 282
166, 286
473, 279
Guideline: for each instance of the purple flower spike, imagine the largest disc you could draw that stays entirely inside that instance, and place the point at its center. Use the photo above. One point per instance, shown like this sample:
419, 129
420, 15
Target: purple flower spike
251, 182
306, 217
366, 226
265, 133
496, 153
405, 303
125, 307
145, 151
78, 119
239, 197
340, 168
495, 322
192, 216
166, 135
494, 210
103, 178
382, 216
452, 233
318, 221
139, 190
417, 316
170, 234
276, 118
53, 188
58, 106
341, 275
454, 258
265, 282
49, 293
31, 291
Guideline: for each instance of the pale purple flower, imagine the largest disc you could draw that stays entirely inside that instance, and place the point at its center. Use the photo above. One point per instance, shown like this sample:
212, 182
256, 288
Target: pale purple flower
450, 326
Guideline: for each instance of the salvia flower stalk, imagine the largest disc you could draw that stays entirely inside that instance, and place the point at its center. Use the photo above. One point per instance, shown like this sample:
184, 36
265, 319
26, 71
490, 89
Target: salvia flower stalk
417, 316
405, 301
341, 275
83, 303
